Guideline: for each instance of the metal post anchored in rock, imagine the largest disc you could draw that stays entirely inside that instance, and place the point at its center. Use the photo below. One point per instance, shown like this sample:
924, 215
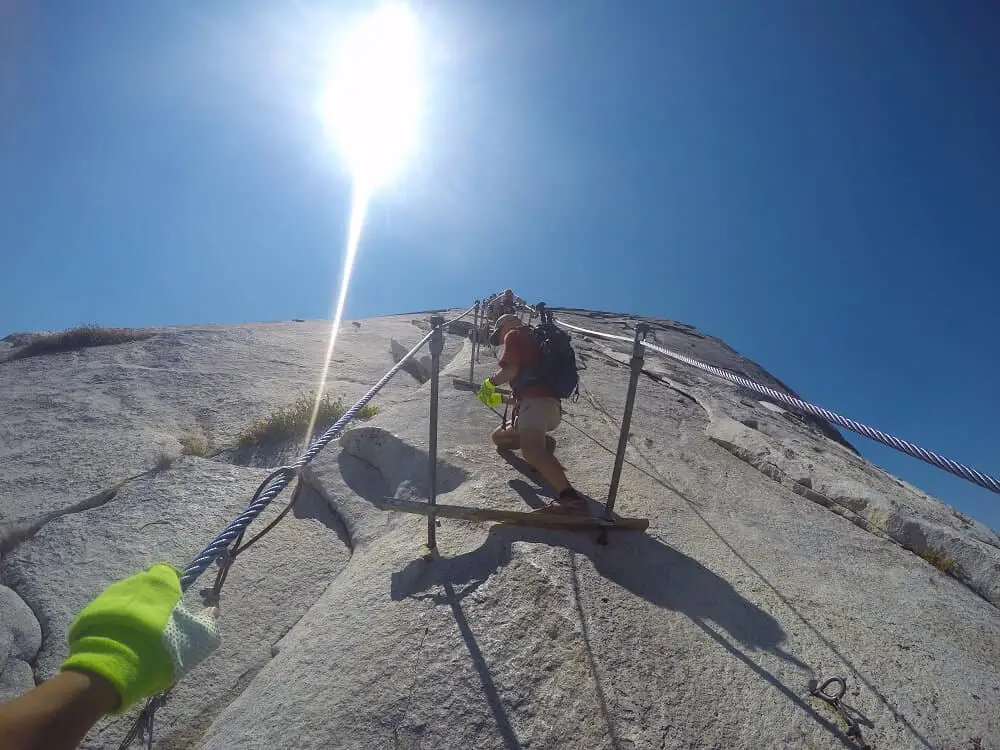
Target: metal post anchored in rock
641, 330
437, 346
475, 343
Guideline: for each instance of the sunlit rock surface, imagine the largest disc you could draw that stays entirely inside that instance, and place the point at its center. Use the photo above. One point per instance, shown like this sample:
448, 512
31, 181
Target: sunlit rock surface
775, 555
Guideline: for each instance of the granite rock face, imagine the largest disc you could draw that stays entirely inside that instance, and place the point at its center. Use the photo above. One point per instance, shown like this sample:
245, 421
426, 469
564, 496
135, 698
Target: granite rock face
775, 555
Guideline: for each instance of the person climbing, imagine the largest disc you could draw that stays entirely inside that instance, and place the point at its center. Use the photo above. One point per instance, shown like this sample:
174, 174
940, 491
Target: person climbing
133, 641
537, 409
505, 303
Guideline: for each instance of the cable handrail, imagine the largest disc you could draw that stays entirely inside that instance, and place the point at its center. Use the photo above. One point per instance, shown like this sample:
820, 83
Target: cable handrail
957, 468
228, 535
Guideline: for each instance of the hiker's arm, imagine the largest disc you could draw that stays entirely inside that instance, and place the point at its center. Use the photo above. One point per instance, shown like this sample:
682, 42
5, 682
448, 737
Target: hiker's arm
133, 641
504, 375
509, 367
57, 714
510, 363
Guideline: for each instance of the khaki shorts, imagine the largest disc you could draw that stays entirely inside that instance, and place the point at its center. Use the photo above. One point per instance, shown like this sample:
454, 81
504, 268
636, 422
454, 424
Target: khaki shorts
543, 414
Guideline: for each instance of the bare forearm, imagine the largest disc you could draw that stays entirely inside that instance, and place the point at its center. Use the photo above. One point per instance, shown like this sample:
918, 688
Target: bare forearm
504, 375
57, 714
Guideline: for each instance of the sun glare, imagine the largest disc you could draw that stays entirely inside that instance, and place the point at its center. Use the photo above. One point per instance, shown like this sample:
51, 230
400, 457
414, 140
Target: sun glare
372, 105
371, 109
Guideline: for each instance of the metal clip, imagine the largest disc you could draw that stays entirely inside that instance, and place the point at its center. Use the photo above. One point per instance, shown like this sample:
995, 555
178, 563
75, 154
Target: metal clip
147, 717
225, 558
142, 729
821, 689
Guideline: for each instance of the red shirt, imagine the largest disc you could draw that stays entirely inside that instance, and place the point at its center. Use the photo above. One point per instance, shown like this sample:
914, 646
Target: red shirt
520, 349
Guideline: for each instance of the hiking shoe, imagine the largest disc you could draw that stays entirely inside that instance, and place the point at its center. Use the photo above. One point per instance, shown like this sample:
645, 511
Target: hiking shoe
567, 509
569, 501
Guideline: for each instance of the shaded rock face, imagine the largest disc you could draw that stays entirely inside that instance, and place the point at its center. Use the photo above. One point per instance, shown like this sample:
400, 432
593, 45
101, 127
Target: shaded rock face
775, 555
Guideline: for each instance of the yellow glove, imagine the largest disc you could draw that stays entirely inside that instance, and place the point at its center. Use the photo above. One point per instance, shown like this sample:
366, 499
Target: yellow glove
138, 636
488, 394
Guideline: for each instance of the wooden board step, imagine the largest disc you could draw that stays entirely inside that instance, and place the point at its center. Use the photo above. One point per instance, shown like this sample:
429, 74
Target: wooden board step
523, 518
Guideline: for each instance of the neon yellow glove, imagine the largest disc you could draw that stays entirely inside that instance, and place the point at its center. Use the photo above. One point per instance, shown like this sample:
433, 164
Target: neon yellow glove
138, 636
488, 394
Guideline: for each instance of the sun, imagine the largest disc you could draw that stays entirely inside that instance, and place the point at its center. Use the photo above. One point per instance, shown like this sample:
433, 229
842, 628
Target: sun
371, 107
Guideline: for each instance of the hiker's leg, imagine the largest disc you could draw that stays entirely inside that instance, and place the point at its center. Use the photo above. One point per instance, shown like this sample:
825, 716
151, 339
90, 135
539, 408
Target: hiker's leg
506, 438
533, 450
538, 416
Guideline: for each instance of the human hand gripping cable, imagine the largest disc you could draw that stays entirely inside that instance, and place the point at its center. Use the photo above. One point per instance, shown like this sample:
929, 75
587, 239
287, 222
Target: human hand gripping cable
133, 641
139, 637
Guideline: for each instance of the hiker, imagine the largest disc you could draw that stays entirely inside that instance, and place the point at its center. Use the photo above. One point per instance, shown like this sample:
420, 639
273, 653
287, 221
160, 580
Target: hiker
133, 641
537, 409
504, 303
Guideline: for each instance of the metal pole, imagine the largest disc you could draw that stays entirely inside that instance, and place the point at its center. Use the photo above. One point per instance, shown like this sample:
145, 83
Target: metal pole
475, 340
437, 346
641, 329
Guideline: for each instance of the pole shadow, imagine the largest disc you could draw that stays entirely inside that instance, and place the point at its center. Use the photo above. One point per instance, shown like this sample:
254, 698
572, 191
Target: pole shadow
643, 566
599, 694
504, 726
784, 600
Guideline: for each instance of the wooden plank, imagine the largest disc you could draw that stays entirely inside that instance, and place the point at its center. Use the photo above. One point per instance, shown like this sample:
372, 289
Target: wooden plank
465, 513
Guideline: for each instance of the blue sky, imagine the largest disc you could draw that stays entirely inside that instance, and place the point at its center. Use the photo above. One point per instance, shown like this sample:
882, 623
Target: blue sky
815, 182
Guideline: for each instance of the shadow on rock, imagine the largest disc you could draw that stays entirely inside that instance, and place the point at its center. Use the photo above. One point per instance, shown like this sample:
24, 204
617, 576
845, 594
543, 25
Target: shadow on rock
531, 495
644, 566
527, 470
648, 568
376, 464
310, 504
419, 368
827, 641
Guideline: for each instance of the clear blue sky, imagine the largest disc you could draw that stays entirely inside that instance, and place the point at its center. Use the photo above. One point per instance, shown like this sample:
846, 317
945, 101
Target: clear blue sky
818, 183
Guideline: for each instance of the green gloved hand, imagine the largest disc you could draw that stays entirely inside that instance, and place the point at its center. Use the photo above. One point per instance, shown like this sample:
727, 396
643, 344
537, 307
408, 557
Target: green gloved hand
488, 394
138, 636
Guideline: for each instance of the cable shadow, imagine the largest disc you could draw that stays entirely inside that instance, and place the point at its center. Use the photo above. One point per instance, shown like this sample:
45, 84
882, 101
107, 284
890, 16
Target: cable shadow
805, 621
602, 700
642, 565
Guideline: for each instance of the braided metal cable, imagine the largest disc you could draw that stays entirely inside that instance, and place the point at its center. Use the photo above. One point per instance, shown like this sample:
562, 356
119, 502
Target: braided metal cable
284, 476
270, 488
935, 459
599, 334
459, 317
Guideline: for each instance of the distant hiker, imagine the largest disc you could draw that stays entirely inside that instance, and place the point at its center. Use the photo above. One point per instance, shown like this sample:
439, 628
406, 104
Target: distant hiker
536, 401
505, 303
133, 641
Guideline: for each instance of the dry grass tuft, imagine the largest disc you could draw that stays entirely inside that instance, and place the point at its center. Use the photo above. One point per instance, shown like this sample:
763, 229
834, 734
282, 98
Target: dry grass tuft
961, 516
194, 445
77, 338
289, 423
163, 462
939, 560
